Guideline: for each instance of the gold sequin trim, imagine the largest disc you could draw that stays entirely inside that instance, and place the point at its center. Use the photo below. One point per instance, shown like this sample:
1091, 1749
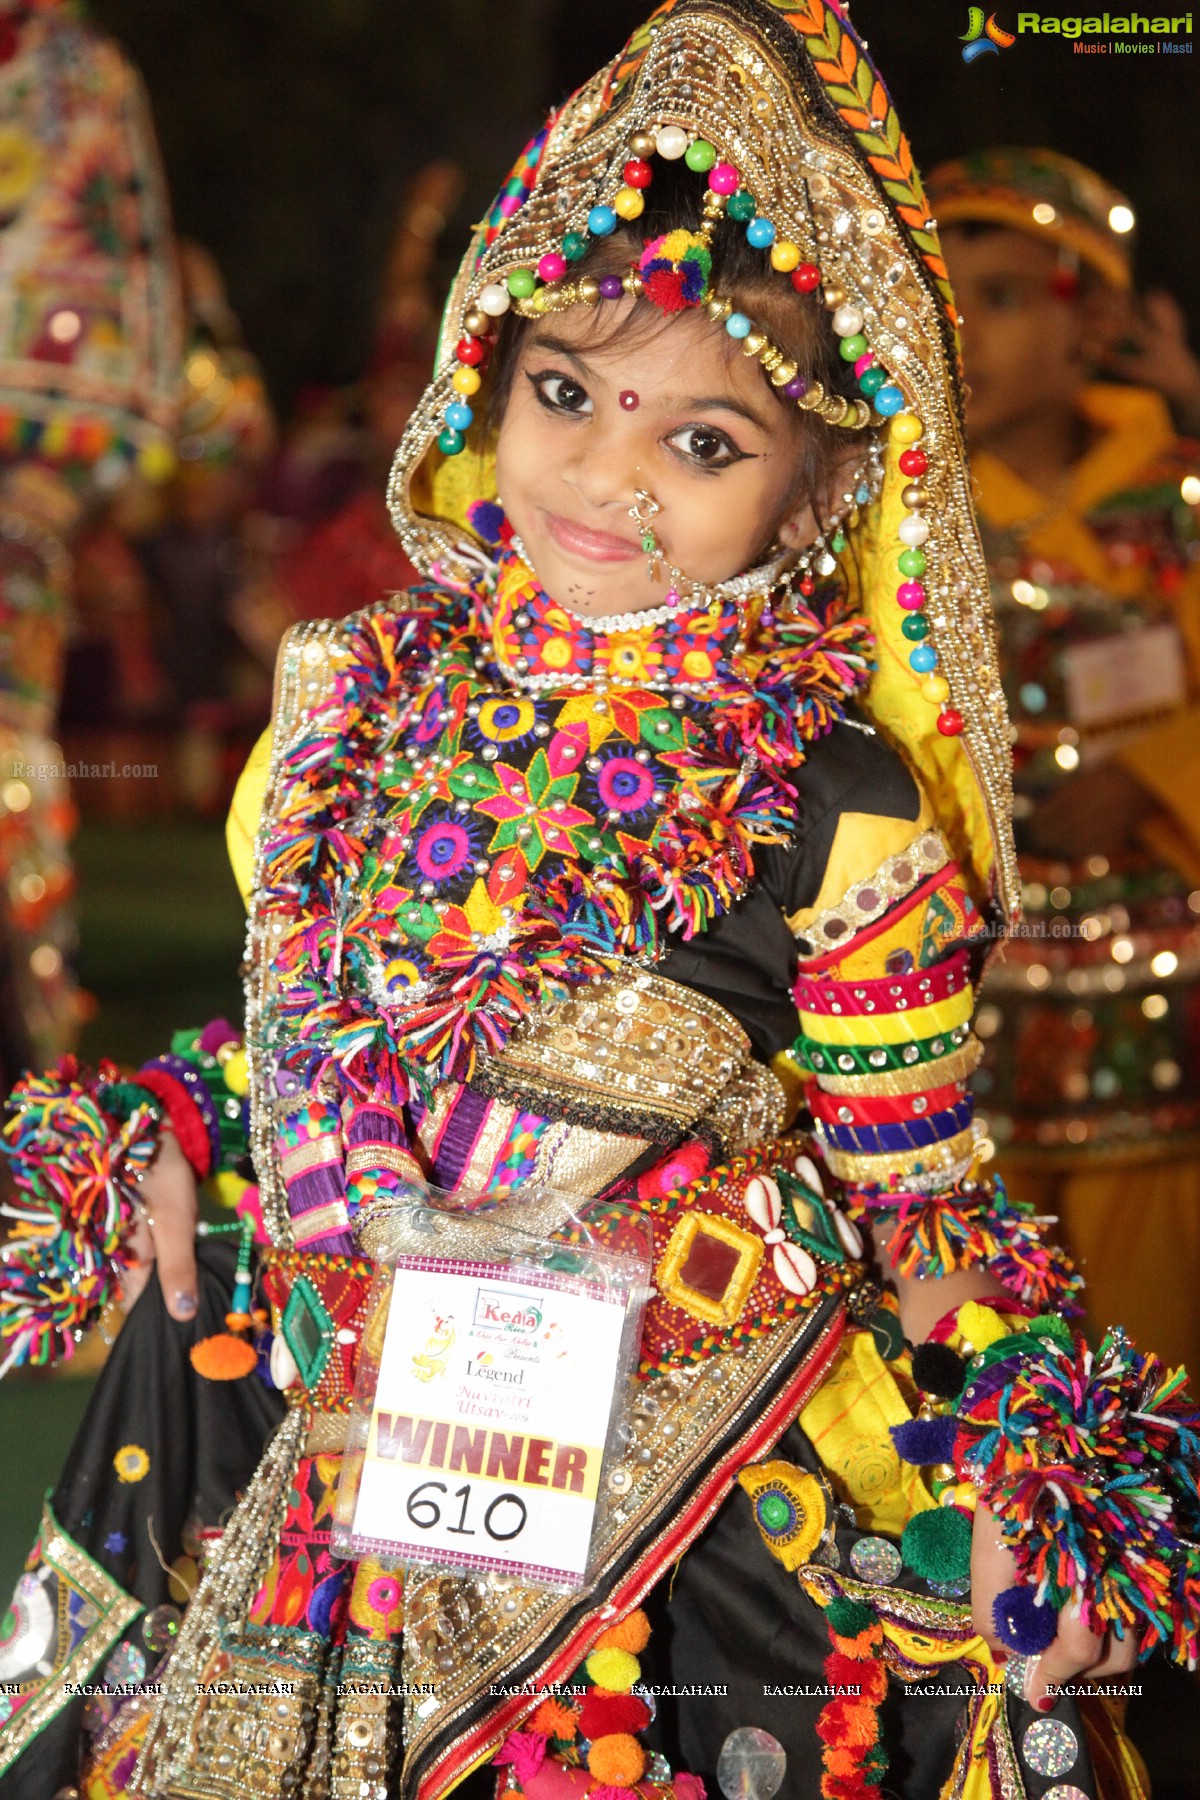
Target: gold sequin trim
868, 900
643, 1056
108, 1609
931, 1165
940, 1073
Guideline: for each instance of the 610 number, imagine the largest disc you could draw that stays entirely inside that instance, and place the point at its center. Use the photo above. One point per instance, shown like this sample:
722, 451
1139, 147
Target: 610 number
426, 1513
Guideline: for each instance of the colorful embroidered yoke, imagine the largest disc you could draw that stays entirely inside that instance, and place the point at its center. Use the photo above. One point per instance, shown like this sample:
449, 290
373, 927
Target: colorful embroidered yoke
452, 850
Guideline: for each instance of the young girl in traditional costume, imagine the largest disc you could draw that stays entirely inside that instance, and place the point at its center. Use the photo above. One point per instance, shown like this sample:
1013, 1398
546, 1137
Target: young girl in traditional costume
648, 853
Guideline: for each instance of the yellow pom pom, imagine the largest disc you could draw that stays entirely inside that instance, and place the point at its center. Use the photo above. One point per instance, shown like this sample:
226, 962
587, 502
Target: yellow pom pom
226, 1188
981, 1326
465, 380
618, 1760
237, 1073
632, 1634
907, 428
629, 204
936, 688
613, 1669
156, 461
785, 256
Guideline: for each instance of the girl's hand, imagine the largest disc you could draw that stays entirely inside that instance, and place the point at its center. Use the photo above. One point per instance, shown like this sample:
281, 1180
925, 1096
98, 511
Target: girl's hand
165, 1232
1076, 1654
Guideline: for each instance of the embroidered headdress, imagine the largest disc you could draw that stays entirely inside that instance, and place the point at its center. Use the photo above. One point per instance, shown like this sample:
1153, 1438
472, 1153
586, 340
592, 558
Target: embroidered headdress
781, 118
1049, 196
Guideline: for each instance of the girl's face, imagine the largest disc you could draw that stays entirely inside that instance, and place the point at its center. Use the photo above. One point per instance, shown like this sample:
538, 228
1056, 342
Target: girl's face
679, 412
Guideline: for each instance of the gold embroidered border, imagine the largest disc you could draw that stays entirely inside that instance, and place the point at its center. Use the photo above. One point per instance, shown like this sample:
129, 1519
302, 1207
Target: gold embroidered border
228, 1585
752, 1110
642, 1055
116, 1610
868, 900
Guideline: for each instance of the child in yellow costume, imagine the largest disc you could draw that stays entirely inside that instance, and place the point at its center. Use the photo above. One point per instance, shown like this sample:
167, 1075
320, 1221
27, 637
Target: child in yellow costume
1087, 498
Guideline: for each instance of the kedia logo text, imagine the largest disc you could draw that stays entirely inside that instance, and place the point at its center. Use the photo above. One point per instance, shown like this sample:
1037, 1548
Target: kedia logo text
983, 37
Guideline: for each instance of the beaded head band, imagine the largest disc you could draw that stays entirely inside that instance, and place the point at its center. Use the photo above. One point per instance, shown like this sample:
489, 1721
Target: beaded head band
674, 273
783, 95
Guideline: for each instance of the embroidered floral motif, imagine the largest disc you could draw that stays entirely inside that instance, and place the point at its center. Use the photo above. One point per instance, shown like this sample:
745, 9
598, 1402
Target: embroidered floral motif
453, 851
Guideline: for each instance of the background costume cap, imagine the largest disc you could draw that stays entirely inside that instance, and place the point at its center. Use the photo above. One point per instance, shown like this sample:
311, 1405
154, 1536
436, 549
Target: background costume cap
783, 99
1051, 197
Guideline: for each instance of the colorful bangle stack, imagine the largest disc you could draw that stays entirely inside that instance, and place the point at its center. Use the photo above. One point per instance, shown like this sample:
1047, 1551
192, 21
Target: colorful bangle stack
1089, 1461
892, 1056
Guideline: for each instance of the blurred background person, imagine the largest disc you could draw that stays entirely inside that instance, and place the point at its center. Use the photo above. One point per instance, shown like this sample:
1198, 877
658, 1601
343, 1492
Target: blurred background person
322, 540
1087, 498
89, 368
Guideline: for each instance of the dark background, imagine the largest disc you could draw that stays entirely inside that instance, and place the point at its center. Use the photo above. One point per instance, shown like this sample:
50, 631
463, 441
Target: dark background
289, 129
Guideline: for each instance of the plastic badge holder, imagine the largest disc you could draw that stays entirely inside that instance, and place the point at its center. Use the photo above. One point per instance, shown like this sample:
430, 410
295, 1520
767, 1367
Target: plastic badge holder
494, 1386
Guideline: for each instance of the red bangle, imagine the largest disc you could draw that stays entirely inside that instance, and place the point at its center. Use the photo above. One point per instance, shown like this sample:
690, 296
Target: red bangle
186, 1119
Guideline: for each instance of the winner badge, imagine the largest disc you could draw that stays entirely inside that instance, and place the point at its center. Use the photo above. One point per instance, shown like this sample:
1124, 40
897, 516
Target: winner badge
489, 1393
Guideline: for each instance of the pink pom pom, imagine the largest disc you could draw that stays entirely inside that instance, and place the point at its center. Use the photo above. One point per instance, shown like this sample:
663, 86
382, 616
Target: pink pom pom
526, 1751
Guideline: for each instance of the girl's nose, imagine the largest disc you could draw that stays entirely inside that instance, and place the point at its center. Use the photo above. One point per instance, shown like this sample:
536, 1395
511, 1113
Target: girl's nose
605, 471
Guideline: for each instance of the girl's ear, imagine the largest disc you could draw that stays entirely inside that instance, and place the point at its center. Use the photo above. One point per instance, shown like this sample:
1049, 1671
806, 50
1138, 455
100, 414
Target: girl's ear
803, 522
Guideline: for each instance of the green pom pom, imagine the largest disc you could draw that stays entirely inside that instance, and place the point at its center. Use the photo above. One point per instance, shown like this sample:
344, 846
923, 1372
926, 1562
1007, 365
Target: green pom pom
849, 1617
937, 1545
121, 1099
1052, 1325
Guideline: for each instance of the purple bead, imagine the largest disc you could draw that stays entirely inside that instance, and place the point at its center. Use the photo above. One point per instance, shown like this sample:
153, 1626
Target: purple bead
611, 287
796, 387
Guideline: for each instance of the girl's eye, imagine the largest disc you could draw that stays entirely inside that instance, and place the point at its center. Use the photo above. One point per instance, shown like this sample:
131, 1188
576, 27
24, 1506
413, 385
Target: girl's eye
561, 394
705, 445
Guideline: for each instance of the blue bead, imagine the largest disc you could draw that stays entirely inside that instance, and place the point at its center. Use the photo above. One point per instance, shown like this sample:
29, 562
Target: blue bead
760, 233
738, 325
889, 400
451, 443
923, 659
601, 220
862, 494
459, 416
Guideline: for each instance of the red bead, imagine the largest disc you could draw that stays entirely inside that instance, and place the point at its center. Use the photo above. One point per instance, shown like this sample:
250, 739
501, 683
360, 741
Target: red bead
806, 277
950, 721
469, 350
808, 586
637, 173
913, 462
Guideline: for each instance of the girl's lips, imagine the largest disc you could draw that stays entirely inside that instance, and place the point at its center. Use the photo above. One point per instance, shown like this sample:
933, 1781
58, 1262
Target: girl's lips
581, 540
